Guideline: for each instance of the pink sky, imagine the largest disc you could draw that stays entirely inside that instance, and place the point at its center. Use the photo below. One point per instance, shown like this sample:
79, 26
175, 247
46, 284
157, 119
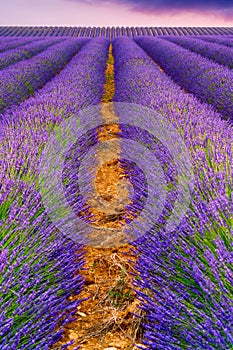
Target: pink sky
75, 13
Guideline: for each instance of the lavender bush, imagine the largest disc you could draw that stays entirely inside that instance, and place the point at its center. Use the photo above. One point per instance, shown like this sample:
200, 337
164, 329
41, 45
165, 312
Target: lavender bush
112, 32
209, 81
39, 266
184, 278
35, 287
26, 51
24, 78
227, 40
216, 52
11, 43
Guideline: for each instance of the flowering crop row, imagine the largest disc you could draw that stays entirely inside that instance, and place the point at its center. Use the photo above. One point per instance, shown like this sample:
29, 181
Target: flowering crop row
184, 277
209, 81
24, 52
22, 79
227, 41
39, 265
111, 32
216, 52
4, 40
15, 42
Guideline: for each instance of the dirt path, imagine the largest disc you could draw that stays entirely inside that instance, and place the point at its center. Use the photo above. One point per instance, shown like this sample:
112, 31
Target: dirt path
105, 320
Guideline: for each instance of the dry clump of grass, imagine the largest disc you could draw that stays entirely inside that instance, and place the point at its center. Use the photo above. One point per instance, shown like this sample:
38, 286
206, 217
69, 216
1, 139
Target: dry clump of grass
116, 299
107, 317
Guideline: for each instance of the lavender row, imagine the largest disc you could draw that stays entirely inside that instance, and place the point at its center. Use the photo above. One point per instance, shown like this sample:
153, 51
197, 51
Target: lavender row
215, 52
21, 80
16, 42
227, 41
112, 32
8, 39
27, 51
39, 265
184, 277
209, 81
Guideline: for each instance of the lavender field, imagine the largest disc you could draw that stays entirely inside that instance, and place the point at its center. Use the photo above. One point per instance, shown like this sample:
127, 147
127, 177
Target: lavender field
110, 32
183, 278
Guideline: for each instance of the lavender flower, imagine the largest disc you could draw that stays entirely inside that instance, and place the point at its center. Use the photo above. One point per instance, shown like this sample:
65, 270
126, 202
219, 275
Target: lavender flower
40, 266
209, 81
26, 51
216, 52
184, 278
11, 43
227, 41
22, 79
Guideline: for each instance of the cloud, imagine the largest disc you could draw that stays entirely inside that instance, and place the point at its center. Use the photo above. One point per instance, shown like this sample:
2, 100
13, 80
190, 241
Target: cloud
218, 7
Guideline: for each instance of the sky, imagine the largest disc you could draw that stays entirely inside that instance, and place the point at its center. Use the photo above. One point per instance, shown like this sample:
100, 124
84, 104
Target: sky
156, 13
